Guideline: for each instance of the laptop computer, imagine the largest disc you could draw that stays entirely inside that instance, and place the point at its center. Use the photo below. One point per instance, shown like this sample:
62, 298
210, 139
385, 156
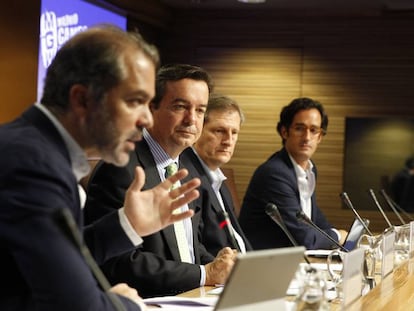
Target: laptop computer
259, 280
354, 234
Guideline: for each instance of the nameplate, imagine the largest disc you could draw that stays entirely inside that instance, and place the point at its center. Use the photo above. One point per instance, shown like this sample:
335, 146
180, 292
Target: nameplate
387, 253
352, 276
411, 240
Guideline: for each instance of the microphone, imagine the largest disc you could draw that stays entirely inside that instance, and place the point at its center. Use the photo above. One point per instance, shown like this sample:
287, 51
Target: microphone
394, 206
302, 217
273, 212
225, 224
347, 201
64, 220
371, 192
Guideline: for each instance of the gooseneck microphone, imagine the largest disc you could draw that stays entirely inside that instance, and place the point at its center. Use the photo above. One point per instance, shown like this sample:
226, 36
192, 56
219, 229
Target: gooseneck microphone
64, 220
273, 212
225, 224
373, 196
302, 217
394, 206
345, 198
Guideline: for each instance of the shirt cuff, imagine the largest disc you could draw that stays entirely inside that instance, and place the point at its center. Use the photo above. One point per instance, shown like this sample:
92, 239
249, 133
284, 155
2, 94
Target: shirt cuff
337, 233
203, 276
128, 229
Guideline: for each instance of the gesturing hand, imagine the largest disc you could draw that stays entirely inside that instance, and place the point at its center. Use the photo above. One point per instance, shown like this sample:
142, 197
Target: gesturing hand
151, 210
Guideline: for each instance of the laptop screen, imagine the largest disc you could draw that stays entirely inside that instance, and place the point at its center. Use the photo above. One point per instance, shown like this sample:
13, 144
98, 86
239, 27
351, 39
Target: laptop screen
354, 234
260, 276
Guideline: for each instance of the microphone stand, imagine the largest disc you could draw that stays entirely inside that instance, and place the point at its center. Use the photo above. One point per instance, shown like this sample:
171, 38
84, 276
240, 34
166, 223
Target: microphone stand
347, 201
302, 217
371, 192
394, 206
64, 220
273, 212
226, 225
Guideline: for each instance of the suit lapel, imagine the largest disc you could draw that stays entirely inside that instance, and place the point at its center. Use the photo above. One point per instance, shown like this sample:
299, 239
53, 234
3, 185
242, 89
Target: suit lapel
147, 162
43, 124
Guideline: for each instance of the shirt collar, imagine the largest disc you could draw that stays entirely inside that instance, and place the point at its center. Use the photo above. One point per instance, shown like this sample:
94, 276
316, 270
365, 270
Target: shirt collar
78, 159
161, 158
216, 176
300, 172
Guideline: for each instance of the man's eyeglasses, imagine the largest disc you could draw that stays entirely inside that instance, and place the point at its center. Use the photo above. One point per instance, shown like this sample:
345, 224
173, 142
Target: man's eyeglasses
300, 130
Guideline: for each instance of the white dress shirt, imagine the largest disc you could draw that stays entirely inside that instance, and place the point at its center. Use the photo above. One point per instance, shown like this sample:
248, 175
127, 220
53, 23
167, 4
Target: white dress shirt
306, 184
217, 178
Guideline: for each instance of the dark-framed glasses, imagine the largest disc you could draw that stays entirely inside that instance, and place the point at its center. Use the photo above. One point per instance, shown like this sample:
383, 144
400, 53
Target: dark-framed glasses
301, 130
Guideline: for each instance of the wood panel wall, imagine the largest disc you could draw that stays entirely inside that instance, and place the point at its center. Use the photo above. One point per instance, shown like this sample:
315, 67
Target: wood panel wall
356, 67
19, 22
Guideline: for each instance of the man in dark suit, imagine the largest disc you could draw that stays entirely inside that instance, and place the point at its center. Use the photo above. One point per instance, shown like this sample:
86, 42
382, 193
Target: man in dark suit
288, 179
157, 267
212, 150
95, 103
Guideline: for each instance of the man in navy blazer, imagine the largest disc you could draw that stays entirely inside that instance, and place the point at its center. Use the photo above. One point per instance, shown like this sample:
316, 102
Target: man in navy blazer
212, 150
95, 103
288, 179
156, 267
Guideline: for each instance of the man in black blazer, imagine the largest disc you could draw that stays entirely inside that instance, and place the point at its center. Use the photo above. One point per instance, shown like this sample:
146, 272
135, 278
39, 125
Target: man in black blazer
156, 267
288, 179
95, 103
212, 150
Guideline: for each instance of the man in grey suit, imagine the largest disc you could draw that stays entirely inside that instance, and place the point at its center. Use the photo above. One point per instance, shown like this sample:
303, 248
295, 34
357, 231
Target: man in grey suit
157, 267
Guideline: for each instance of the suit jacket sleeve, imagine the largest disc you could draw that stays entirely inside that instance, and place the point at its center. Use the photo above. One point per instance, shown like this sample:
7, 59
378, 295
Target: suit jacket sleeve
41, 267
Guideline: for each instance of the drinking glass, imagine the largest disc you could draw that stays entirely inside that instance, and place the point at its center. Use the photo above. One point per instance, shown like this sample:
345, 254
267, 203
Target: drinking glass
312, 289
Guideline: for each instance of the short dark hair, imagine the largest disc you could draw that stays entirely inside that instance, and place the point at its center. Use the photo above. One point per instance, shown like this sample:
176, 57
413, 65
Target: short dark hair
91, 58
302, 103
176, 72
218, 102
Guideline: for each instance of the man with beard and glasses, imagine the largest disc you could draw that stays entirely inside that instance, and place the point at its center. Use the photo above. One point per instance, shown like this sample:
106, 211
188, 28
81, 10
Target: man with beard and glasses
95, 104
160, 266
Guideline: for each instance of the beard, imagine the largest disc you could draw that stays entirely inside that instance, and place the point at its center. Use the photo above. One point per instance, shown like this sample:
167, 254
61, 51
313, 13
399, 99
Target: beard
105, 136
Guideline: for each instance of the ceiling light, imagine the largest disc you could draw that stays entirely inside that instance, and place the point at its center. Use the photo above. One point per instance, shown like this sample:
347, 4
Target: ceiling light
252, 1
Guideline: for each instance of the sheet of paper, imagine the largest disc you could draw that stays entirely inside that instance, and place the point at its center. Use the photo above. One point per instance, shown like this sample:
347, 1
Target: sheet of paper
183, 303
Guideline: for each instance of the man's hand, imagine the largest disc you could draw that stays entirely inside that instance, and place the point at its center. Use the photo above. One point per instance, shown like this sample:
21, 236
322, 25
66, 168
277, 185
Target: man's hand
218, 270
152, 210
123, 289
343, 234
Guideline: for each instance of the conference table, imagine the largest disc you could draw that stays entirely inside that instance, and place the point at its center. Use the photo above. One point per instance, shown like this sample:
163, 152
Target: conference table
395, 292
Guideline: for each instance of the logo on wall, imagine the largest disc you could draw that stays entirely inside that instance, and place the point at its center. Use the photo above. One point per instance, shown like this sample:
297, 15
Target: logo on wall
55, 31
